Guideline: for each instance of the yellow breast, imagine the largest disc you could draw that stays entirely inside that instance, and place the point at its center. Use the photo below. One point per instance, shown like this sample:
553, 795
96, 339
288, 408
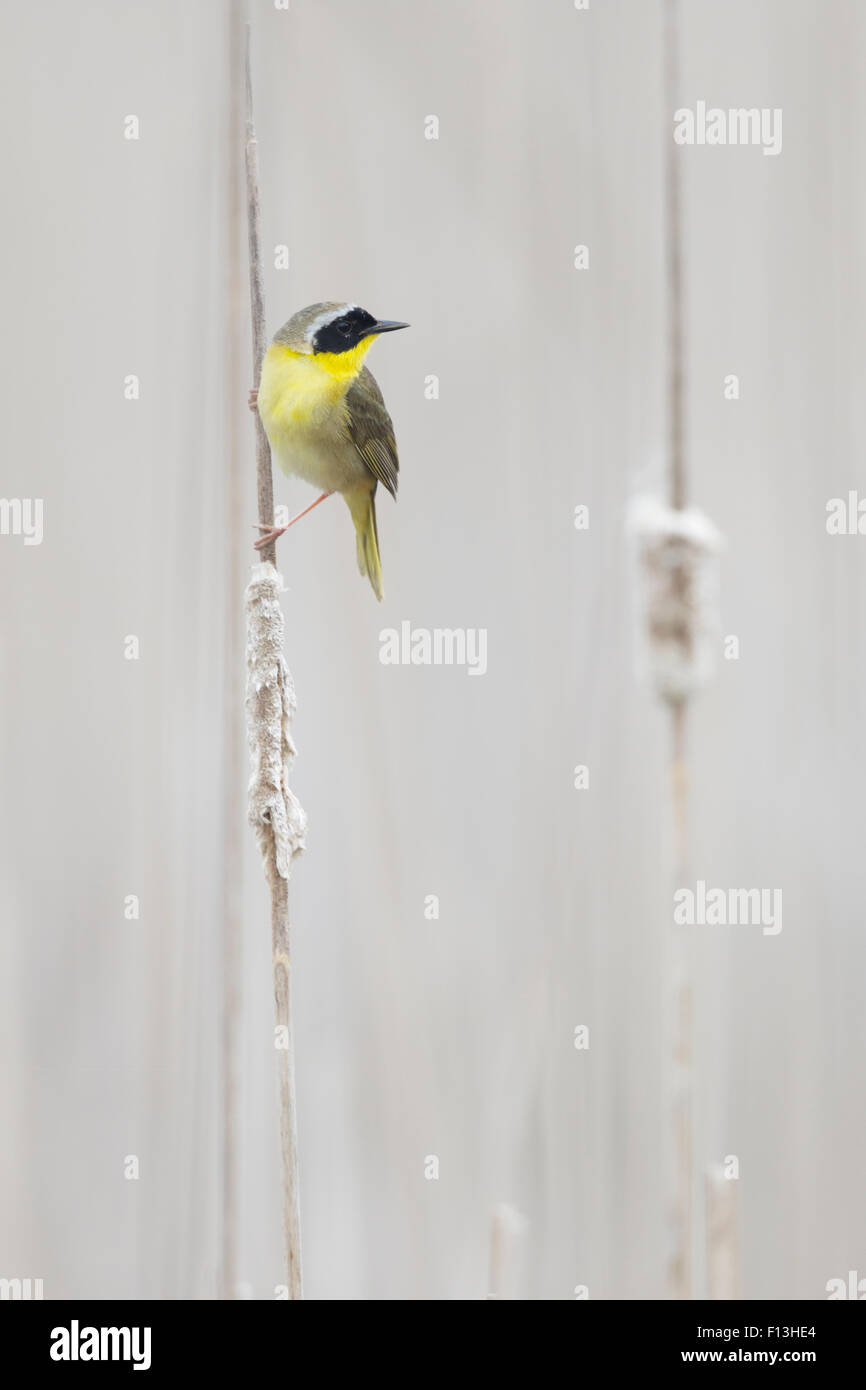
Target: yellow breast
299, 391
302, 404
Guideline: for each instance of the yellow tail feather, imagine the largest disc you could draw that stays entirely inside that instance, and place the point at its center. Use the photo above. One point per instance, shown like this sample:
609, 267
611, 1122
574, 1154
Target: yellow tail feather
362, 505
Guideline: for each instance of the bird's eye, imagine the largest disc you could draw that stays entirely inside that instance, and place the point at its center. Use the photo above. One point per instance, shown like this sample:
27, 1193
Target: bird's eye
345, 328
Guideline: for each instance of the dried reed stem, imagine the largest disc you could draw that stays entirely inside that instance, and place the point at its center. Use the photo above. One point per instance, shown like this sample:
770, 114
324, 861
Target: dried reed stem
264, 475
277, 816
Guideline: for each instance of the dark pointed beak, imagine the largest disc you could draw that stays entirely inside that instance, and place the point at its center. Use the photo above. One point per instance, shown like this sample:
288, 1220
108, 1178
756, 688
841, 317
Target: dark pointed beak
385, 326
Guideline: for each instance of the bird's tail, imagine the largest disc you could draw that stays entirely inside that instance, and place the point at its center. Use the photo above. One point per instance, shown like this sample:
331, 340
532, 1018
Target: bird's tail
362, 505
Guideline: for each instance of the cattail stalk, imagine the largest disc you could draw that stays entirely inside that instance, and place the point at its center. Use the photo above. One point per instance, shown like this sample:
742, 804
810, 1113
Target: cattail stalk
274, 811
264, 473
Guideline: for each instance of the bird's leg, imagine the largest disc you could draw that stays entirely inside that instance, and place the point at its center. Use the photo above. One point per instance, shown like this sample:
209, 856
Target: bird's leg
253, 399
274, 532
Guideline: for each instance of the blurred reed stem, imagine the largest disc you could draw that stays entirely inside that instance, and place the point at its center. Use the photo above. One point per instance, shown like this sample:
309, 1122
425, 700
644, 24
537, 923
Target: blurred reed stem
723, 1236
679, 984
233, 757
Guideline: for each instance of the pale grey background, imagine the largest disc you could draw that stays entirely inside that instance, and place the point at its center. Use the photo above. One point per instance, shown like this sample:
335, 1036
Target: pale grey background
414, 1037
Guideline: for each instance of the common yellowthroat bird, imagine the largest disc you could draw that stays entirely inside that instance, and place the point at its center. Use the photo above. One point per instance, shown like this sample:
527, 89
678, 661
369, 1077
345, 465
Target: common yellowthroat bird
326, 419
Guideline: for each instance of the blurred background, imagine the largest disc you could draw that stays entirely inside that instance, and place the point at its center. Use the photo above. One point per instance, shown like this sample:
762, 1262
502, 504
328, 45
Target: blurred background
450, 1036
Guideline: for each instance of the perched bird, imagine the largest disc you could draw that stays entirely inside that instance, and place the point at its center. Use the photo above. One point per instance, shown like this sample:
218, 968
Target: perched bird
325, 417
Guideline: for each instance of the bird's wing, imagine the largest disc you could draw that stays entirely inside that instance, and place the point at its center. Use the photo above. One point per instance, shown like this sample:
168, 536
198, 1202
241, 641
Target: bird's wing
371, 430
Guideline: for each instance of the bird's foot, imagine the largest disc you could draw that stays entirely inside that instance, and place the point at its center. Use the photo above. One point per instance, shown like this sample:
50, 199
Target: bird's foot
253, 400
272, 533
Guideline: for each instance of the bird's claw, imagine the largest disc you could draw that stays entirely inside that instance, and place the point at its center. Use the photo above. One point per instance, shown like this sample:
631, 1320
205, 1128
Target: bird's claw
272, 533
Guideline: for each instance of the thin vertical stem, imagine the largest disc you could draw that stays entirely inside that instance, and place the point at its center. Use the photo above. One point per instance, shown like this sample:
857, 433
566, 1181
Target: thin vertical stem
278, 884
286, 1064
264, 474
